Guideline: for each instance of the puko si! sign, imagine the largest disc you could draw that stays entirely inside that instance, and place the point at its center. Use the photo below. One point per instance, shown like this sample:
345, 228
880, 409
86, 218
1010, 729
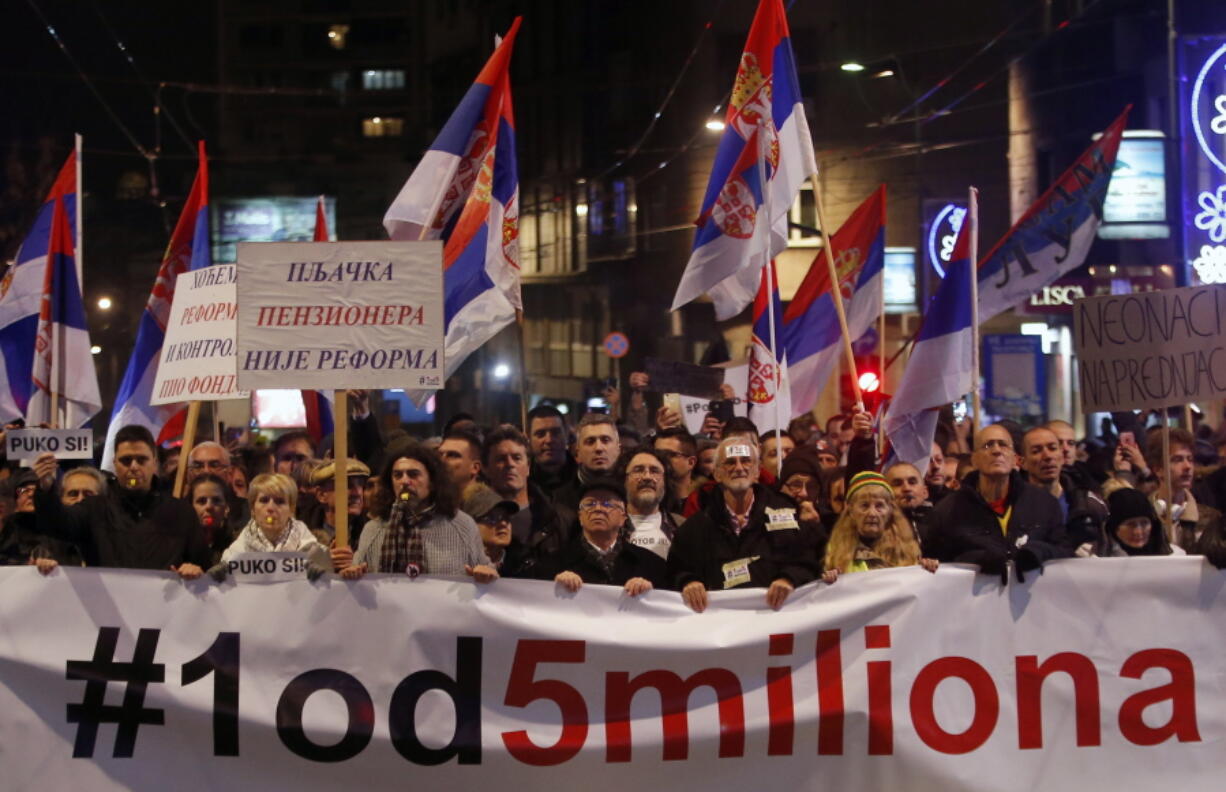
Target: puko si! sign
328, 315
1203, 121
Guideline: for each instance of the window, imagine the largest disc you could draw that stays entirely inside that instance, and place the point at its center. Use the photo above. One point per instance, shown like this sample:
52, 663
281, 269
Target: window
337, 34
382, 126
382, 79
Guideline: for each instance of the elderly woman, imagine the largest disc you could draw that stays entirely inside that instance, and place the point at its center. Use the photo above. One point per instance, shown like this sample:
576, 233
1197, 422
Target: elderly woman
871, 532
272, 527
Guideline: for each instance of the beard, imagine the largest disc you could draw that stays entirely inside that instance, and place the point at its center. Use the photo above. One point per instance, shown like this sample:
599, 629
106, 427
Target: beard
646, 500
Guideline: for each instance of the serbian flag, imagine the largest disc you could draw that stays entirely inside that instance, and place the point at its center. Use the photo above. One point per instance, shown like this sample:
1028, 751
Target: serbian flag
63, 364
317, 405
188, 250
770, 404
727, 257
939, 369
812, 337
1055, 234
471, 168
21, 294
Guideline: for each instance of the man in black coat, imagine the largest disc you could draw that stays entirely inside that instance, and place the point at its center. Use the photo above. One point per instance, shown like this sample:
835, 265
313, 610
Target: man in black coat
134, 524
1083, 510
995, 516
600, 553
749, 537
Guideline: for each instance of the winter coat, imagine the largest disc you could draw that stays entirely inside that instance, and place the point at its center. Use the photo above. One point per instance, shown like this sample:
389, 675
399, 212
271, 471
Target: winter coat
632, 561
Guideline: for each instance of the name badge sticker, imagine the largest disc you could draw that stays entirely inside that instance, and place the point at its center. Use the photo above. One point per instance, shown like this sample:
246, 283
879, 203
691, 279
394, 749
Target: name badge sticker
736, 573
781, 520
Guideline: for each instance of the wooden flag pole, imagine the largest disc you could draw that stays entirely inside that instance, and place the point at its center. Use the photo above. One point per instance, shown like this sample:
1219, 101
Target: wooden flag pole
340, 462
881, 368
189, 439
973, 219
837, 293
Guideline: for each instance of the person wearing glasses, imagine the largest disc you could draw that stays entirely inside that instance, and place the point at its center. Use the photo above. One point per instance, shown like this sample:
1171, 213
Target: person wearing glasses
134, 524
749, 536
649, 524
600, 553
996, 516
494, 514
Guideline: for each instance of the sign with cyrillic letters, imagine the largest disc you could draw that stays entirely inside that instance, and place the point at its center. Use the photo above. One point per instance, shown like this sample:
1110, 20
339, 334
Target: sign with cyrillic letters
365, 314
1151, 349
1098, 674
198, 361
27, 444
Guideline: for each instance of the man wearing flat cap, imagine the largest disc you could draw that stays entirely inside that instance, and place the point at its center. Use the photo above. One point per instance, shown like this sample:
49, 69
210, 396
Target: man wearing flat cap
600, 554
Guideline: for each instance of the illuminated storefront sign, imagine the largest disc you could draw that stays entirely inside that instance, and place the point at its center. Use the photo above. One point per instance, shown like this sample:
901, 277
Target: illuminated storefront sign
942, 222
1203, 111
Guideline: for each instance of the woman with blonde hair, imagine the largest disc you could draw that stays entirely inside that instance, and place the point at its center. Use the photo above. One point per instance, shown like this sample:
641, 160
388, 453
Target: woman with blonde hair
871, 533
272, 527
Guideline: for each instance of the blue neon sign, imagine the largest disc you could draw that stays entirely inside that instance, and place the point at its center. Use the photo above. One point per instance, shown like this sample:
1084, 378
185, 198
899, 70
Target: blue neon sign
942, 234
1203, 110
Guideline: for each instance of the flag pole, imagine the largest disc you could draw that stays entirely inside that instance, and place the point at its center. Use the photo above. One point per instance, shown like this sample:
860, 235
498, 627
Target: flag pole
768, 263
340, 465
189, 439
973, 219
523, 372
836, 292
880, 361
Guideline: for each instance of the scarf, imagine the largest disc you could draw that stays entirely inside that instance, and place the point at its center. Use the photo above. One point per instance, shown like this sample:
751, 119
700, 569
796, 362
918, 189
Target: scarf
867, 556
603, 560
402, 549
294, 536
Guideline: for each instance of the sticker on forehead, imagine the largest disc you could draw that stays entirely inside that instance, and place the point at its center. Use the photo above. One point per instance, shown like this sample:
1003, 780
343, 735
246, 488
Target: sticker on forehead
737, 451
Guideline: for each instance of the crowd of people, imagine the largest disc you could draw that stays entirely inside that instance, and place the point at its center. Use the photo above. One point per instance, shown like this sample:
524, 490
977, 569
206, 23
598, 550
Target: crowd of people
603, 503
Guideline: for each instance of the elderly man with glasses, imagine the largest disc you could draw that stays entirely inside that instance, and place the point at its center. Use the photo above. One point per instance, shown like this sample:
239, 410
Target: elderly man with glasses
748, 537
996, 517
600, 554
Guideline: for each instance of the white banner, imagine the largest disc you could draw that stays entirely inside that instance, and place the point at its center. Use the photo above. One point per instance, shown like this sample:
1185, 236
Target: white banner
198, 360
1154, 349
325, 315
25, 445
1098, 674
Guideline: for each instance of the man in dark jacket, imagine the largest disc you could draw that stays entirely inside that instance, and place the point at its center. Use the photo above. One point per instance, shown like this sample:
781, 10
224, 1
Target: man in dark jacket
600, 553
133, 525
995, 517
536, 529
749, 537
1083, 510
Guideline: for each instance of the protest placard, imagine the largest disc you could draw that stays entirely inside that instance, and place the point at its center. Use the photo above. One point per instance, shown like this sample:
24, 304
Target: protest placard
272, 567
26, 444
674, 376
330, 315
694, 410
198, 360
1154, 349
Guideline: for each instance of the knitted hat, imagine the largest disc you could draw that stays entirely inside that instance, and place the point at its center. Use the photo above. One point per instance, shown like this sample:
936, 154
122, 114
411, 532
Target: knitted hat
802, 460
867, 478
1127, 503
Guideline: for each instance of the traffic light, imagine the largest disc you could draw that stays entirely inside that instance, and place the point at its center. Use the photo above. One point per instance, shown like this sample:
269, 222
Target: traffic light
869, 378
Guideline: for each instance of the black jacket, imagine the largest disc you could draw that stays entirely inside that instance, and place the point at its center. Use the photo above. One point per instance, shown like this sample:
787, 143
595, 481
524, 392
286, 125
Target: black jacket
706, 542
631, 562
20, 541
964, 529
547, 535
121, 528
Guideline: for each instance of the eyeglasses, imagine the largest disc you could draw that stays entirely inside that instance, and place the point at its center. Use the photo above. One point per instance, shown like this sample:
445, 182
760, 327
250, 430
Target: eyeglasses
128, 461
607, 505
644, 470
292, 458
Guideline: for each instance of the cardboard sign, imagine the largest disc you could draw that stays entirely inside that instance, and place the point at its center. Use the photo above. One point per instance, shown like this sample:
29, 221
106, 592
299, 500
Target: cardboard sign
329, 315
198, 361
673, 376
26, 444
268, 567
1154, 349
693, 410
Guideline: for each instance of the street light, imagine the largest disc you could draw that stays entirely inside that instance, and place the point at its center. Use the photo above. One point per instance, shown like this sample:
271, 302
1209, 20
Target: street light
852, 66
715, 125
105, 303
95, 350
502, 371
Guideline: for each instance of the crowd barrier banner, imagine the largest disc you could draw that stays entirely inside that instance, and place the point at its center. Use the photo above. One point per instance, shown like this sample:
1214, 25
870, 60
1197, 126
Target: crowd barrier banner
366, 314
1152, 349
1097, 674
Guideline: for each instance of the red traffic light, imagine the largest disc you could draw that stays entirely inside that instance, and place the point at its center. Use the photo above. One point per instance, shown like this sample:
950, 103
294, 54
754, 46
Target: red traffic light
869, 382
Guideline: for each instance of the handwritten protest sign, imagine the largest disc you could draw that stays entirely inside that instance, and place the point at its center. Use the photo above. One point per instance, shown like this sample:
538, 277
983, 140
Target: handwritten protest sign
330, 315
26, 444
1154, 349
198, 360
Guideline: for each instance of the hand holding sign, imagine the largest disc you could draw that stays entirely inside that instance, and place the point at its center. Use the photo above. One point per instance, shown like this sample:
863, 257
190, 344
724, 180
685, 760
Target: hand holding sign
45, 467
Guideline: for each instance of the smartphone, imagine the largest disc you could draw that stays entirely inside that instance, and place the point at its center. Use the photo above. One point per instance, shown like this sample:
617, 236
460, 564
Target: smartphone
673, 402
1128, 439
721, 409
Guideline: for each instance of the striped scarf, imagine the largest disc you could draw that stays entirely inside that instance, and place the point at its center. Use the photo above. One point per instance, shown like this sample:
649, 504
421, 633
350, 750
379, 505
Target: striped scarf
402, 549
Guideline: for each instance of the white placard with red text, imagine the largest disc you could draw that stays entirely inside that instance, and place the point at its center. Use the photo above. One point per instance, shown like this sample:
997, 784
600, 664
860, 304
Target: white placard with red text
1098, 674
197, 361
329, 315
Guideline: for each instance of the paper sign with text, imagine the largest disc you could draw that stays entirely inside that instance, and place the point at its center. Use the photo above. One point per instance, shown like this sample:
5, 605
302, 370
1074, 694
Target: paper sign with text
268, 567
329, 315
27, 444
198, 355
1151, 349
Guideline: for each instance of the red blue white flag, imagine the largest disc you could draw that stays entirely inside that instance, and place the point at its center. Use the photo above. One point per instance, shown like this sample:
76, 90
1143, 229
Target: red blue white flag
728, 254
188, 250
770, 404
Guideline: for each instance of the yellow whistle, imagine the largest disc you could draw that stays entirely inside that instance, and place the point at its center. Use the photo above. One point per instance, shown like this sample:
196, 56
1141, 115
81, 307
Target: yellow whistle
268, 520
131, 482
404, 496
